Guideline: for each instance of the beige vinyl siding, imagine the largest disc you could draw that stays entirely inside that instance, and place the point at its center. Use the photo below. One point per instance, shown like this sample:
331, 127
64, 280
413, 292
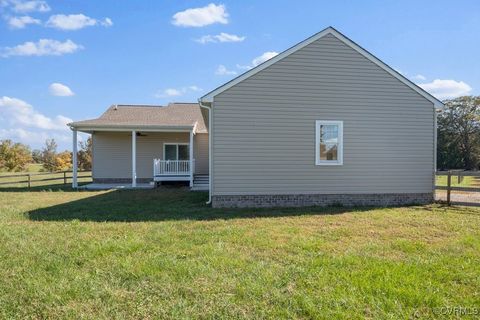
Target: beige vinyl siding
112, 155
200, 152
264, 128
112, 152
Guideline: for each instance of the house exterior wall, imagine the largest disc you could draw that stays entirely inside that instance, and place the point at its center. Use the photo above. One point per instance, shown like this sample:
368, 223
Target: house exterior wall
200, 152
264, 130
112, 153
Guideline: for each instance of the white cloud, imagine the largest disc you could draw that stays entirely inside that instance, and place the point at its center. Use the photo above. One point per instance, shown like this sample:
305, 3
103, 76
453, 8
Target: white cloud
264, 57
223, 71
75, 22
199, 17
419, 77
446, 89
60, 90
242, 67
107, 22
26, 6
172, 92
258, 60
194, 88
19, 113
21, 22
43, 47
222, 37
36, 138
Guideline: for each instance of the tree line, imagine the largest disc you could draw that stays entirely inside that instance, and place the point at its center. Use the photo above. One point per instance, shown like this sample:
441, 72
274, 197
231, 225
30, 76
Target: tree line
458, 135
17, 156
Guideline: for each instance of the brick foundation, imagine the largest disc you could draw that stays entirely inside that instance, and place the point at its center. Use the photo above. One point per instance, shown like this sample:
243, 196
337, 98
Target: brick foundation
303, 200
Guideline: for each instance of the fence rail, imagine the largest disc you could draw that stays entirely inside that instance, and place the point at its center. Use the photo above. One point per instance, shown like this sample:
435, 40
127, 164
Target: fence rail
30, 178
465, 194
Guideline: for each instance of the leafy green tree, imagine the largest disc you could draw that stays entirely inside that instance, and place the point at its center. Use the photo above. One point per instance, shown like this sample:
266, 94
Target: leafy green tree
14, 156
459, 134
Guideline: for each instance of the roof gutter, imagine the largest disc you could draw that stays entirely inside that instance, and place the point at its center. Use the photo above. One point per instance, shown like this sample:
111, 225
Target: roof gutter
200, 102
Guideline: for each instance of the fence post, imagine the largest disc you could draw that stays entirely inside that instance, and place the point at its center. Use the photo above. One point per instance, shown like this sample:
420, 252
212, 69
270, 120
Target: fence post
449, 185
64, 177
29, 180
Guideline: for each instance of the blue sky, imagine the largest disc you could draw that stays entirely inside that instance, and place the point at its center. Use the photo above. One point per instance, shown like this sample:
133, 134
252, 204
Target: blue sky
97, 53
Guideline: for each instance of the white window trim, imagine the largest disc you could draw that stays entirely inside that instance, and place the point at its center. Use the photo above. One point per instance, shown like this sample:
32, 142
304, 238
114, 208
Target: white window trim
319, 162
175, 144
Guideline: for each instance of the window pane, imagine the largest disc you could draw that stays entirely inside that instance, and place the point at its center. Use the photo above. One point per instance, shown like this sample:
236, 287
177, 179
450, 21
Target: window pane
183, 152
328, 152
170, 152
329, 133
328, 142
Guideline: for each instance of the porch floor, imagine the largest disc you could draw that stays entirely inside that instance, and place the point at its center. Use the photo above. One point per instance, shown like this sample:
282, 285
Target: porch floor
171, 177
108, 186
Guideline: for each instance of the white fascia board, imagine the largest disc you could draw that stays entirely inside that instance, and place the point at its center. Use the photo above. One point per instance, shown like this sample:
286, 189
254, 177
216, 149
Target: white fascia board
208, 98
130, 128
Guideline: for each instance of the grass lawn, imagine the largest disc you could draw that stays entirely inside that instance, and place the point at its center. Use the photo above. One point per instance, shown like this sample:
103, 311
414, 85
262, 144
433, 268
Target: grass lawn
465, 182
31, 167
38, 177
165, 254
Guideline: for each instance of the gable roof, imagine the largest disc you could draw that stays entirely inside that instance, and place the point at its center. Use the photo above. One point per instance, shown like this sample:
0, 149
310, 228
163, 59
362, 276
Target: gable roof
330, 30
179, 116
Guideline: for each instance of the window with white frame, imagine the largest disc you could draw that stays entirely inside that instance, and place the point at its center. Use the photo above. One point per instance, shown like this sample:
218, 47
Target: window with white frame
176, 151
328, 142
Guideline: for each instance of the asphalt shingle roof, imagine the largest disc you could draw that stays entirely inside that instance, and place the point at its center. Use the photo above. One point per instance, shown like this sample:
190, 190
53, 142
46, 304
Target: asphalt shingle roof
173, 115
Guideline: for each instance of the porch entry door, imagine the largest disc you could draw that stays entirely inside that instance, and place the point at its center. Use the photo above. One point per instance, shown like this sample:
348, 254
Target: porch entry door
177, 156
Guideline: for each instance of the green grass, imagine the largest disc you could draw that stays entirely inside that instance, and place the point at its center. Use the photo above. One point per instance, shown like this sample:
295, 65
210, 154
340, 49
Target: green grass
164, 254
31, 167
35, 167
465, 182
38, 177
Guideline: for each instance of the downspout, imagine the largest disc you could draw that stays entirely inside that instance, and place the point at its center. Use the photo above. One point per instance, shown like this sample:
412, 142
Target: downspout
209, 150
436, 111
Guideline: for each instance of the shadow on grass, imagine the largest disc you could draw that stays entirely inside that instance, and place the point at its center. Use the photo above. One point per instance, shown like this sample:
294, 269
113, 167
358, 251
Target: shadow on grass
161, 205
51, 187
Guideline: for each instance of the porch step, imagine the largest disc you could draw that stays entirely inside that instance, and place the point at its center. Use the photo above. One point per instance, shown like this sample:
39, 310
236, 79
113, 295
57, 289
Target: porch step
200, 182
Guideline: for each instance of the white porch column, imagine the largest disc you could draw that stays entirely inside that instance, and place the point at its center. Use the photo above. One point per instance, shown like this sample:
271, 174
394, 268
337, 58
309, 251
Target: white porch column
191, 158
74, 160
134, 159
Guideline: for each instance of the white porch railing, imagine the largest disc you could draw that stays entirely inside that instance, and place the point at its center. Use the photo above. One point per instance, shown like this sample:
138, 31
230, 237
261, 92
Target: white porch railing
171, 167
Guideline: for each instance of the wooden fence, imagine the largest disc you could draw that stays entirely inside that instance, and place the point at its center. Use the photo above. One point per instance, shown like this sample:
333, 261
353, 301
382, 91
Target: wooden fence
27, 179
469, 195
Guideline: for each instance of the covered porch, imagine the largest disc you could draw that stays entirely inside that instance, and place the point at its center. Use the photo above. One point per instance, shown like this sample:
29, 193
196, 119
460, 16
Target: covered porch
146, 145
138, 157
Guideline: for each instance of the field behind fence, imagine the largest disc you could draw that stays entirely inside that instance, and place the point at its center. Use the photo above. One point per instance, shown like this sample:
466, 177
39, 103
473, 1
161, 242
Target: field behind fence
41, 179
458, 187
